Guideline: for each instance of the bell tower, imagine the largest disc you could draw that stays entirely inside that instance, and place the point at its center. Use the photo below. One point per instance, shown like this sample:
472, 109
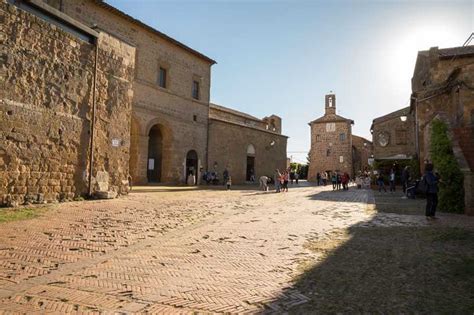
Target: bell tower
330, 104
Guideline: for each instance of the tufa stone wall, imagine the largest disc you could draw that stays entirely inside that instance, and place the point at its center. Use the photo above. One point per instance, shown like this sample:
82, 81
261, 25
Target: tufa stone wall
362, 149
183, 120
231, 133
400, 135
443, 87
45, 110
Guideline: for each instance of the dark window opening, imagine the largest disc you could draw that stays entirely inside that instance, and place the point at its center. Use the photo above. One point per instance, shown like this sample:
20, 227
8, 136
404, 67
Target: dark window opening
162, 78
195, 117
328, 152
342, 136
196, 90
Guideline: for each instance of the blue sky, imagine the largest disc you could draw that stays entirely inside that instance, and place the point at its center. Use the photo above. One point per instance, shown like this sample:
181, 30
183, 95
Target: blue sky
282, 57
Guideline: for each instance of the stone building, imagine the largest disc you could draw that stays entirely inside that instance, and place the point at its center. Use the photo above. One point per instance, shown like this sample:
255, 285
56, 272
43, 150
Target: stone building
65, 103
443, 88
147, 94
331, 142
334, 147
393, 136
171, 95
362, 151
244, 144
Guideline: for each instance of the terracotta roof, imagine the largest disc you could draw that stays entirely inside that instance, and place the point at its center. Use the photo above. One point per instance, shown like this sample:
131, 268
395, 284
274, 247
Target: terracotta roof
462, 51
234, 112
401, 112
330, 118
116, 11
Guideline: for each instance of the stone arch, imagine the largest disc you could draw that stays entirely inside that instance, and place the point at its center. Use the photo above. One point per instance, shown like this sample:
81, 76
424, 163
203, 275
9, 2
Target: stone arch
159, 128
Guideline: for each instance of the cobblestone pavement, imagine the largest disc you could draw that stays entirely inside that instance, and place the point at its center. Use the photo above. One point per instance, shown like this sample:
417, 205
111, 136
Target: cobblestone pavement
160, 251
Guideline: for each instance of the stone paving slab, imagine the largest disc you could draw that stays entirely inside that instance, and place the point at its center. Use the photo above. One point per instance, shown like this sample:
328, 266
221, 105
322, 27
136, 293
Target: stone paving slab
170, 252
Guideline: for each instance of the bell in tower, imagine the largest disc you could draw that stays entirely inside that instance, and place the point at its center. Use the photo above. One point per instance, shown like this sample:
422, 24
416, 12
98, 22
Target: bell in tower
330, 104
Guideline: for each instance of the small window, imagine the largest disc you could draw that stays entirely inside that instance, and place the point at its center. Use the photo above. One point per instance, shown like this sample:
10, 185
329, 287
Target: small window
318, 137
195, 117
162, 78
342, 136
196, 90
328, 152
341, 159
401, 137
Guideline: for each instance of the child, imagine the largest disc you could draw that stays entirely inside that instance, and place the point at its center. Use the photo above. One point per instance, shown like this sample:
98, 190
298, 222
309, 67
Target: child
229, 182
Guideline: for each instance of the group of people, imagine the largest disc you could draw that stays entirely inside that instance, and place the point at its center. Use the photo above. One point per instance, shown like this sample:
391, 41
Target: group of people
405, 178
339, 180
280, 179
428, 185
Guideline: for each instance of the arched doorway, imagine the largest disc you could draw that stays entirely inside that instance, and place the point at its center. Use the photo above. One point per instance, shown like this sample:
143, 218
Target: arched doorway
192, 166
155, 154
250, 174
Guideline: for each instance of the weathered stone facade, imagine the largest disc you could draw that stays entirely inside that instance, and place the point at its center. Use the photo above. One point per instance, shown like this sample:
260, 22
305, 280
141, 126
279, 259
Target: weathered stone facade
362, 150
394, 138
151, 106
244, 144
443, 87
46, 103
180, 121
331, 142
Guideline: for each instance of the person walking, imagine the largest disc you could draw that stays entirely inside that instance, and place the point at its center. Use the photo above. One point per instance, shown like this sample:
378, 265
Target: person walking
405, 178
297, 177
229, 182
285, 178
325, 178
225, 176
318, 179
431, 181
276, 180
334, 180
345, 181
263, 180
339, 181
381, 183
392, 180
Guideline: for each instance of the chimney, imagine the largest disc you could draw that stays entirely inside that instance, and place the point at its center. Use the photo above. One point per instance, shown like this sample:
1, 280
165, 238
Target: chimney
330, 104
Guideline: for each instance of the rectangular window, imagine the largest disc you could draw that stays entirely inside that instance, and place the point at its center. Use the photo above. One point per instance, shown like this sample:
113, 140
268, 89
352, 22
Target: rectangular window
196, 90
341, 159
162, 78
400, 136
342, 136
318, 137
328, 152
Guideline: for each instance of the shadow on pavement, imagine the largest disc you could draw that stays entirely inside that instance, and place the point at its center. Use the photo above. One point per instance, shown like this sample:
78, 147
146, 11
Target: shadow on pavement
368, 268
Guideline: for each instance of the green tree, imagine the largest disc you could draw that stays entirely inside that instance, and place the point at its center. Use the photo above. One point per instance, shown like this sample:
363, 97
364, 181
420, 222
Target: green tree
451, 193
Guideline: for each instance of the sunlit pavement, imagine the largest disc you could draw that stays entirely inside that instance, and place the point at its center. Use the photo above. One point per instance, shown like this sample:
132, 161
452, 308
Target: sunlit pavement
174, 250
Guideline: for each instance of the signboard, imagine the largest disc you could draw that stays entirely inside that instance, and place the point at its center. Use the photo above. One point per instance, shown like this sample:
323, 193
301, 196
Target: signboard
151, 164
116, 142
370, 161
